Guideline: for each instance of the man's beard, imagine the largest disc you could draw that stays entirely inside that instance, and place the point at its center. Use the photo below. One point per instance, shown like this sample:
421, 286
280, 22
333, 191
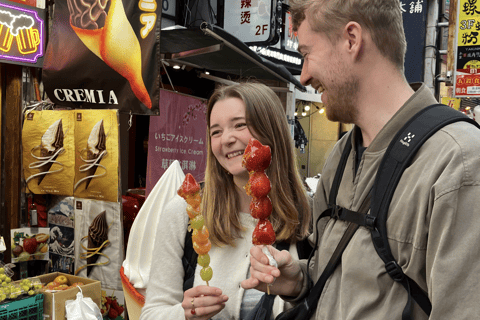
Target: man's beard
341, 101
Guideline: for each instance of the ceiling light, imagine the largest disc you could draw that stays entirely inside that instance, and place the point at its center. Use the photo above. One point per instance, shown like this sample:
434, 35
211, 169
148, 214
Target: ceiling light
307, 108
304, 114
176, 67
295, 113
321, 111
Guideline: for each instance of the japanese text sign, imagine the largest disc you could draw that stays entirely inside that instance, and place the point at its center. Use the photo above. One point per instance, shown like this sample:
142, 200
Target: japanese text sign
180, 134
251, 21
467, 60
22, 34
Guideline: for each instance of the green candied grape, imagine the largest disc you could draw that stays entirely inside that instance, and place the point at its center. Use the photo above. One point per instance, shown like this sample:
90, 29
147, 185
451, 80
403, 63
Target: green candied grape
203, 260
206, 273
3, 277
197, 222
8, 279
4, 284
25, 288
2, 270
31, 293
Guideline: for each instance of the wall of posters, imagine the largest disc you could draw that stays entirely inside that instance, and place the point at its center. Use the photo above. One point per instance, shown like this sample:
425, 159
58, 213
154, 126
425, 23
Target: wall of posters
180, 134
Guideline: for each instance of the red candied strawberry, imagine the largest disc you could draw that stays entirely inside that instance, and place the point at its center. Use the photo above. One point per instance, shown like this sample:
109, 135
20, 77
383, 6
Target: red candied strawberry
112, 314
30, 245
261, 208
109, 300
189, 186
263, 233
258, 185
256, 157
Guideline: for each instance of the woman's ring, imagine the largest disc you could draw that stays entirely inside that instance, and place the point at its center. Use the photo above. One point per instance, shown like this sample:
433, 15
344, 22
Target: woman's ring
193, 306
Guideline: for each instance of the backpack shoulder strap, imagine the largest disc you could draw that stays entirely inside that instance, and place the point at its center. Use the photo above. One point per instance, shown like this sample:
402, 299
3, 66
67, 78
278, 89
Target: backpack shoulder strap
397, 158
189, 262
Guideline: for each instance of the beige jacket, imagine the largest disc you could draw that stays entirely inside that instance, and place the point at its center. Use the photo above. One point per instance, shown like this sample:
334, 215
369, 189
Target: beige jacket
433, 227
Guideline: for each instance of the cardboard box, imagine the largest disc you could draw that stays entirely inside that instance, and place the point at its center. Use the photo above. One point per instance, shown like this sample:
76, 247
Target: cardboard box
54, 303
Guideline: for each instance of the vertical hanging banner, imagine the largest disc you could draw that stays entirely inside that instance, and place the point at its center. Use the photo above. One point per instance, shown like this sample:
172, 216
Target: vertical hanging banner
97, 155
178, 135
467, 60
105, 54
414, 15
22, 34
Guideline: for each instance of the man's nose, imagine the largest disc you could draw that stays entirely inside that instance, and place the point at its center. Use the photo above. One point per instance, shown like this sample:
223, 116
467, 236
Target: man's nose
305, 77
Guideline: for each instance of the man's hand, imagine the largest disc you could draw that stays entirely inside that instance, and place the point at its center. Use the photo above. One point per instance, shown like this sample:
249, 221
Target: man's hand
285, 280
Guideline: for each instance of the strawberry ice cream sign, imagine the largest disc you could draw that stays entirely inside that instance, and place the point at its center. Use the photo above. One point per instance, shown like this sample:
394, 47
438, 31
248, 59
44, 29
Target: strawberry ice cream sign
180, 134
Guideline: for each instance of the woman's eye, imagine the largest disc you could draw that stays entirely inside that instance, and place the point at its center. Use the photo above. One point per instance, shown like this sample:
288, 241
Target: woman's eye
213, 133
240, 125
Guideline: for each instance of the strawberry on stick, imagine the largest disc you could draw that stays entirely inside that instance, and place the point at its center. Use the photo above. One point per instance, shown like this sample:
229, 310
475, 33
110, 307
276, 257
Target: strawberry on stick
256, 159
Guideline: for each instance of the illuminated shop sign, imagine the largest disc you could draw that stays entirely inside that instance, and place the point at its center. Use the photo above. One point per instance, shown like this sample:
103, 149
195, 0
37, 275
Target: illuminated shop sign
22, 34
277, 54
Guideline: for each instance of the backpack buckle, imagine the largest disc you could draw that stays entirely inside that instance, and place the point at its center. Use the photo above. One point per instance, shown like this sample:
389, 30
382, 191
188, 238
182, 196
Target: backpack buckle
395, 271
336, 212
370, 222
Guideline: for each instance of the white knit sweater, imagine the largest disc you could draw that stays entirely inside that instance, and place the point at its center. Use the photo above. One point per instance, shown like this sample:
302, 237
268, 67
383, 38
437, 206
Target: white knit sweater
230, 266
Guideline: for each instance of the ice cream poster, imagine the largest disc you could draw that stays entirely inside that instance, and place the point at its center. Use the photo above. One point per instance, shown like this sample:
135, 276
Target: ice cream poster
104, 54
179, 134
49, 152
29, 244
61, 219
99, 241
22, 34
97, 155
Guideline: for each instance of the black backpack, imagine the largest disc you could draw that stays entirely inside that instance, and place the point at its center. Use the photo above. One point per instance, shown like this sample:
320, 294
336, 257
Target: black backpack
397, 158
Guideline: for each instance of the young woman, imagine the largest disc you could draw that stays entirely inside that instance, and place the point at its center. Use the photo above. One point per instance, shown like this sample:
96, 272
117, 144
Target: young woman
234, 115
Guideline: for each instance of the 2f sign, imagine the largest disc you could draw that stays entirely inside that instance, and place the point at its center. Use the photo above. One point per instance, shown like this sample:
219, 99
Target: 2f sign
261, 30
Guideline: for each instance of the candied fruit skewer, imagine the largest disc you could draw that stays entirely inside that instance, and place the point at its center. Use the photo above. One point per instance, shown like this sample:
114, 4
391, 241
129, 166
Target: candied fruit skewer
256, 159
190, 191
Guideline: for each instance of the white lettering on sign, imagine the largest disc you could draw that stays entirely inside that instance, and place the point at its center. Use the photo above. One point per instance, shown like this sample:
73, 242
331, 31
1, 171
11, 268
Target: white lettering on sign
86, 95
149, 18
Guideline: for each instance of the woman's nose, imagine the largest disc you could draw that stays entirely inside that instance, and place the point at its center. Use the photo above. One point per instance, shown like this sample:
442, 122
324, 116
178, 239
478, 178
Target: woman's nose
228, 137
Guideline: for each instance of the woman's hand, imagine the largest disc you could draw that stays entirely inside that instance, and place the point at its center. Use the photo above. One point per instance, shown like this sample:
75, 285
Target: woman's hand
203, 302
285, 280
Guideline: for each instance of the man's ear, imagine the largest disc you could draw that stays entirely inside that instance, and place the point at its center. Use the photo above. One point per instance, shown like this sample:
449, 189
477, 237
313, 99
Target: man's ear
353, 35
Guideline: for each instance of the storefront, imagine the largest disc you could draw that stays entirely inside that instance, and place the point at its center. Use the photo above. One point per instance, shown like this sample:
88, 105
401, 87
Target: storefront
88, 128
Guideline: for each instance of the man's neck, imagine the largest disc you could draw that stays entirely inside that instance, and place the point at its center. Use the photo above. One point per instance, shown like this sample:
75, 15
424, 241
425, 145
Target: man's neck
382, 93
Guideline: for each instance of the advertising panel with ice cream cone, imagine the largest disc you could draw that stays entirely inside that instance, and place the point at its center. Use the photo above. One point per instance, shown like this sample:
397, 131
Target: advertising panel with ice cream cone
49, 152
98, 241
105, 54
97, 155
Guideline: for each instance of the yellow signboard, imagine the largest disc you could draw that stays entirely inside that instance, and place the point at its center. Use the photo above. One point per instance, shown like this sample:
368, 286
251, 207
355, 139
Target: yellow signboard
467, 61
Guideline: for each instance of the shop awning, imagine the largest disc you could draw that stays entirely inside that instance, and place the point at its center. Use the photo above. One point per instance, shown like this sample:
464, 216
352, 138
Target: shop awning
210, 47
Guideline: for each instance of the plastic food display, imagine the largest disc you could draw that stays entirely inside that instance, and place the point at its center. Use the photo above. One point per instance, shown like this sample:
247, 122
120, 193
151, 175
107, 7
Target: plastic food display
256, 159
190, 191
